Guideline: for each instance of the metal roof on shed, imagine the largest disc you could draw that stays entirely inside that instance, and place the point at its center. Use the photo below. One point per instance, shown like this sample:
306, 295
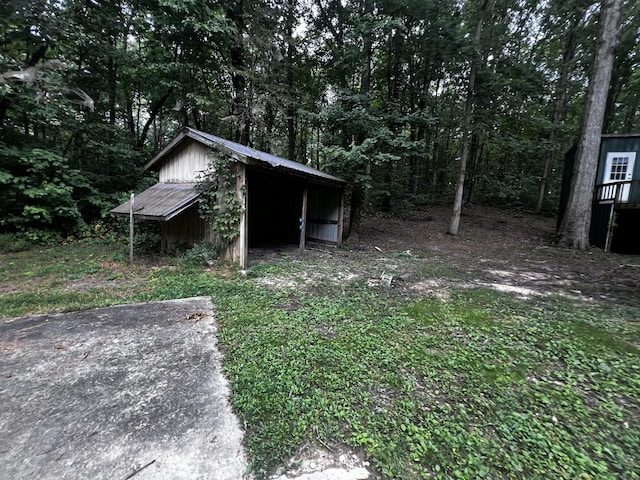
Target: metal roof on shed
161, 202
244, 154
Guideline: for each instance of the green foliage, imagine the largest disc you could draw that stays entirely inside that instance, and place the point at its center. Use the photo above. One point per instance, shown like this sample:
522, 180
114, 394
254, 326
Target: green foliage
41, 192
371, 91
480, 386
219, 204
464, 389
11, 242
200, 255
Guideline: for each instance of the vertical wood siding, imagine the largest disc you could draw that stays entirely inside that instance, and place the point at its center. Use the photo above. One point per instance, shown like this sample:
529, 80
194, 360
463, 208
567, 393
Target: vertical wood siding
185, 163
184, 231
622, 144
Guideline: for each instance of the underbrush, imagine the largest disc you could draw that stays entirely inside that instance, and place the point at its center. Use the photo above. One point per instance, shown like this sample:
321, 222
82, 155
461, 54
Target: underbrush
480, 385
12, 242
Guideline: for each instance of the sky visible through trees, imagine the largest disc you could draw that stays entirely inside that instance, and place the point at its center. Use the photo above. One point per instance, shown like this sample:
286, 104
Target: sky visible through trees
373, 91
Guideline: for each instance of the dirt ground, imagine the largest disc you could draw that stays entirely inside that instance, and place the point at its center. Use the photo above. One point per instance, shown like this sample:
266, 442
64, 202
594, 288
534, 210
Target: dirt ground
505, 250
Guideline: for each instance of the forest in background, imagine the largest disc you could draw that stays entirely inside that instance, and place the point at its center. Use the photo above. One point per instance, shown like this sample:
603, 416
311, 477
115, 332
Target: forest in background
373, 91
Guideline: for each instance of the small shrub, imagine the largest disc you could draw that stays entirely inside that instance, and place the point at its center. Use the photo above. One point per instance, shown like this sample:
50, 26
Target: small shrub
201, 254
147, 237
12, 242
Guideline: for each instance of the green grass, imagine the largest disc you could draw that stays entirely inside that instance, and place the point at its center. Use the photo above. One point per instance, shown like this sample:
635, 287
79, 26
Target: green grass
481, 385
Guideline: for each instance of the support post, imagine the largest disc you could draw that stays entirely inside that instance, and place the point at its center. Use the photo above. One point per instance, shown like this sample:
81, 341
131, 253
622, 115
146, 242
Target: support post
610, 227
243, 196
303, 221
131, 229
340, 217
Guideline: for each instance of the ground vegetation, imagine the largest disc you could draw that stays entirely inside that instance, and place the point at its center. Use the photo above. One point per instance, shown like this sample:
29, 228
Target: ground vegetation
492, 354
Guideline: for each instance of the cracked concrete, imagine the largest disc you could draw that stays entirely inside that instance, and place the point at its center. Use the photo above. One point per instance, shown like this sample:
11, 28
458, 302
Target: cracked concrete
134, 391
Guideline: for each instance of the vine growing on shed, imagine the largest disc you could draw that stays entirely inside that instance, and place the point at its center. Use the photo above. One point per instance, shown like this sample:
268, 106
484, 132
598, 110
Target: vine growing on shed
219, 203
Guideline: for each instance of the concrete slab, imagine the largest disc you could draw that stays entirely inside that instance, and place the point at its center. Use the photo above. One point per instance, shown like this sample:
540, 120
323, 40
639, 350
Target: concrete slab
133, 391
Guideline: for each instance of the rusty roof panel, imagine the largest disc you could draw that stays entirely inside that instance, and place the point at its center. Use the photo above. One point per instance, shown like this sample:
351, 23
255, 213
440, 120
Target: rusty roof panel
161, 202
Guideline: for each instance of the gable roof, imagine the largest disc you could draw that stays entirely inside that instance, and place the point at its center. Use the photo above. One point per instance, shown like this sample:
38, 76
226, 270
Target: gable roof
161, 202
244, 154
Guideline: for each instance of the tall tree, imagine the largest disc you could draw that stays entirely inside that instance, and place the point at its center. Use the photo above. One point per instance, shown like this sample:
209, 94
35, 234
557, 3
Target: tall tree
376, 91
574, 228
571, 20
624, 98
241, 111
468, 119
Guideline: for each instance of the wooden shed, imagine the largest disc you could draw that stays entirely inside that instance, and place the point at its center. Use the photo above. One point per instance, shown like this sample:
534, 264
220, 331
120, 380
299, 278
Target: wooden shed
615, 218
283, 201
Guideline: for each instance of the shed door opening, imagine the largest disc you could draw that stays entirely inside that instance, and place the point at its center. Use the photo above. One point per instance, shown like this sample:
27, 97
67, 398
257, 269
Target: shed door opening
618, 167
274, 208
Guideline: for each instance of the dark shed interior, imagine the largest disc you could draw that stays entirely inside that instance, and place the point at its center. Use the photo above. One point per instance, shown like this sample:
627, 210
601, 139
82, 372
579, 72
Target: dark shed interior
274, 208
626, 234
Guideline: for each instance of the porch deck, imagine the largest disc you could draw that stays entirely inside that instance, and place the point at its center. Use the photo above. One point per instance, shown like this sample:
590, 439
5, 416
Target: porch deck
624, 194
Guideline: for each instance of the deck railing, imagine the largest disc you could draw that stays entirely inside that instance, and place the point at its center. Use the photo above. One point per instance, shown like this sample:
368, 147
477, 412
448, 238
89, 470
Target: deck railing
617, 193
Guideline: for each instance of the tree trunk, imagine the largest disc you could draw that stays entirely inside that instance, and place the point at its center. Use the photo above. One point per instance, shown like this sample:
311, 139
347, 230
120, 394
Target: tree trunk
560, 108
467, 123
112, 81
358, 194
153, 113
291, 106
476, 153
414, 171
574, 228
355, 214
630, 118
240, 111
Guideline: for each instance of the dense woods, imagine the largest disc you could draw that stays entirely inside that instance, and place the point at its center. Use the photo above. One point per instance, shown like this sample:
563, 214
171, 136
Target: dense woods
389, 94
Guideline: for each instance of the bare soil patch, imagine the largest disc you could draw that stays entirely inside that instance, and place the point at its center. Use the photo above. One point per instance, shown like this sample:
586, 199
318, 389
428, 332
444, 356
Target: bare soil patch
508, 251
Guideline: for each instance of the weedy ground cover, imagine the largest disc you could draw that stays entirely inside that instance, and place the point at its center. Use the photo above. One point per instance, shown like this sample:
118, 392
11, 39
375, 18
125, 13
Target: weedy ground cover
473, 383
481, 385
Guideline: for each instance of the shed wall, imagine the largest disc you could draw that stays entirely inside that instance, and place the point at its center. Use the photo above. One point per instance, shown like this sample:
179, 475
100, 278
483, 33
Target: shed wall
621, 144
185, 163
323, 215
184, 231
